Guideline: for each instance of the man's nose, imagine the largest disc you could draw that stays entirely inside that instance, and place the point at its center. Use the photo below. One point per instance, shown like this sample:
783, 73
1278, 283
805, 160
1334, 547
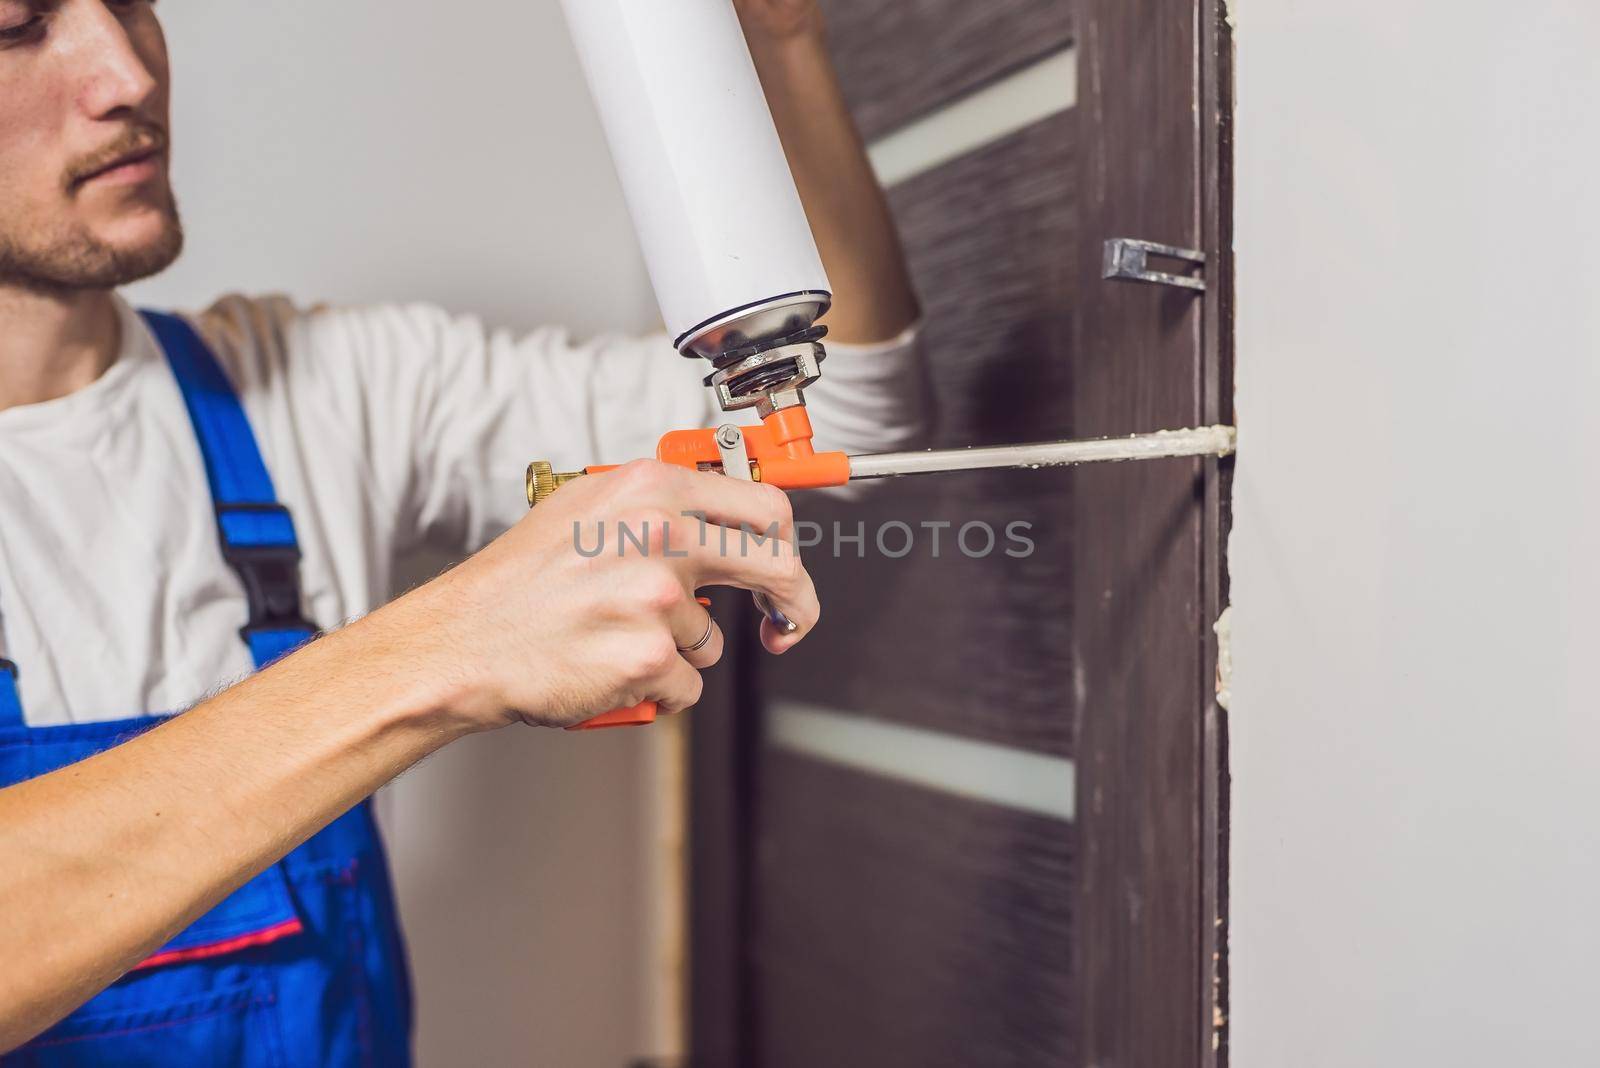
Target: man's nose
116, 77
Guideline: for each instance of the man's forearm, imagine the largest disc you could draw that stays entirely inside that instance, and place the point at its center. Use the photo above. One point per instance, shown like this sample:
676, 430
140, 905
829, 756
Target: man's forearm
106, 860
873, 295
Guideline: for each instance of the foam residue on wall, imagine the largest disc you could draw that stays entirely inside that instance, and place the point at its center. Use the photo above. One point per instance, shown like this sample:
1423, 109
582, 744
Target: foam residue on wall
1223, 629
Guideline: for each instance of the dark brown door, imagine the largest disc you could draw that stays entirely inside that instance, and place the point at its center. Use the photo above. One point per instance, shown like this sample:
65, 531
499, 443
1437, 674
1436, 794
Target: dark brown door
972, 821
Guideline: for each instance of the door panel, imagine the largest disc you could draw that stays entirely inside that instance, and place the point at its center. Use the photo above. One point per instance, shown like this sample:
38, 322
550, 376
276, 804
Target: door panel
902, 58
927, 930
930, 923
911, 888
938, 639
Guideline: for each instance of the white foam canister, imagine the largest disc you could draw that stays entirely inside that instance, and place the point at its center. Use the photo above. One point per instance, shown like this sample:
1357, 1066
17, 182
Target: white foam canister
724, 234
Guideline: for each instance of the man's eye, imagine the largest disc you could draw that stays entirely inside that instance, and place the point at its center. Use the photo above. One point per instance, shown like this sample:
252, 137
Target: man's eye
19, 32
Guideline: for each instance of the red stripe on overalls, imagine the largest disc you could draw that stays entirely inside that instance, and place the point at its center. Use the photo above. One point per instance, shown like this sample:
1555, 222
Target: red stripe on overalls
265, 936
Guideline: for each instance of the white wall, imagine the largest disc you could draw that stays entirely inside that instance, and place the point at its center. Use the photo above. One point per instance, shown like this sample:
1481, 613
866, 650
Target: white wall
385, 149
1416, 560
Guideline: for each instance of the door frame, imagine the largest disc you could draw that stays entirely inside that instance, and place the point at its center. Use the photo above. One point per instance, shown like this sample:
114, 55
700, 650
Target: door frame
1153, 981
1216, 215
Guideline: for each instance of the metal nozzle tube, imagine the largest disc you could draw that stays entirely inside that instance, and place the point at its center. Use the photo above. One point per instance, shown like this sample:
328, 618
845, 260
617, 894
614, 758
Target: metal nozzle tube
1204, 441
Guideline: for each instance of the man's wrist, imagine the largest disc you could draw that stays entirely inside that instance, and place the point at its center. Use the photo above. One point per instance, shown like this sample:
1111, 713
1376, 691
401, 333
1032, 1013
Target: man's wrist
786, 57
804, 96
413, 684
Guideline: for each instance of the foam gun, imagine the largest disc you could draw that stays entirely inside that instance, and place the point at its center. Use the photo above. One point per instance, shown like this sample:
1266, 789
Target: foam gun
734, 266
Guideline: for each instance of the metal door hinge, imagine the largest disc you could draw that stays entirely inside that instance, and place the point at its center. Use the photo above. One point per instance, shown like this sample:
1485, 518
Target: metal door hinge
1128, 260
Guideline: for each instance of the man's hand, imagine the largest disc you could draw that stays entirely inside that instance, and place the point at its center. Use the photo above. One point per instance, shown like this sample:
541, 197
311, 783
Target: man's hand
776, 20
542, 626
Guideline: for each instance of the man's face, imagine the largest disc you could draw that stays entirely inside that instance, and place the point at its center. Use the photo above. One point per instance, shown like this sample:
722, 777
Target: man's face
85, 199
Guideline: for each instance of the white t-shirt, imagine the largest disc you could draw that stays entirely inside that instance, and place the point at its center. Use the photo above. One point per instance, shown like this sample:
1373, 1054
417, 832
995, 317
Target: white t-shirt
384, 429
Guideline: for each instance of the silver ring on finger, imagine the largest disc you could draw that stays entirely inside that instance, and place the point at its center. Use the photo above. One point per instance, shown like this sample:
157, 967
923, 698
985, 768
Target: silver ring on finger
711, 628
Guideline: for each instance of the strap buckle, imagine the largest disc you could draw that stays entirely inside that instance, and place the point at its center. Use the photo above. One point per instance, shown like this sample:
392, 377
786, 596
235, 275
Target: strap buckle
258, 543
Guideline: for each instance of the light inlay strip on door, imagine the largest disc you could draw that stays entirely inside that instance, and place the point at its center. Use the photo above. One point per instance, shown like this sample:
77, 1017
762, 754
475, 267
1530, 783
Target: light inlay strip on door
998, 774
1044, 88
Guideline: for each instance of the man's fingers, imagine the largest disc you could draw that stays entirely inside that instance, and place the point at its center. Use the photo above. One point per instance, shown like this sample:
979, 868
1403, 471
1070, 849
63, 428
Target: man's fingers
778, 640
722, 501
696, 634
679, 689
725, 531
769, 567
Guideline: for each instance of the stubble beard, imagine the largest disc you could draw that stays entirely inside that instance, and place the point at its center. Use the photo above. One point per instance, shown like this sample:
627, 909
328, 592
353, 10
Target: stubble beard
78, 260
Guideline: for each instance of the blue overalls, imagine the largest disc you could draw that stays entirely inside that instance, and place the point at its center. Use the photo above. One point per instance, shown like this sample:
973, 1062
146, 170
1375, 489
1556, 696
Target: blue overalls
303, 965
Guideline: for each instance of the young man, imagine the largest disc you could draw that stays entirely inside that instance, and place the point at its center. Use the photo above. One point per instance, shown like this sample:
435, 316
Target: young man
212, 890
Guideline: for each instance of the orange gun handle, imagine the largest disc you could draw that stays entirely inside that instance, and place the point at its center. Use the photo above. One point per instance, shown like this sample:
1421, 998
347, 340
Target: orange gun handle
637, 716
640, 715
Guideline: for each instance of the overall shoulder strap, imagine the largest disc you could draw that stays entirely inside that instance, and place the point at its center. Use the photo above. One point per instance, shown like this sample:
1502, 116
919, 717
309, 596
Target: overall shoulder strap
10, 699
257, 533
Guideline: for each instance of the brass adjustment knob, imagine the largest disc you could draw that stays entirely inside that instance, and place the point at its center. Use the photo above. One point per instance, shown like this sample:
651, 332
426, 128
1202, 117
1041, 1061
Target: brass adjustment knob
543, 480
